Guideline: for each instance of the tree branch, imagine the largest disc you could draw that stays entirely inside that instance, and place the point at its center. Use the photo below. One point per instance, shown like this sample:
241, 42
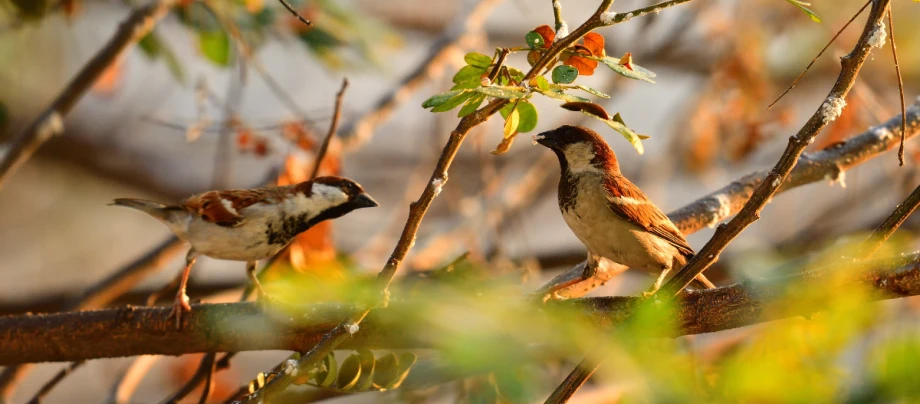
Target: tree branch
51, 121
333, 127
131, 331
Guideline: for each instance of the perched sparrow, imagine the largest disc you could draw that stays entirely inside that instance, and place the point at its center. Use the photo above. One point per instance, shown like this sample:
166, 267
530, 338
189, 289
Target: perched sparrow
610, 215
250, 224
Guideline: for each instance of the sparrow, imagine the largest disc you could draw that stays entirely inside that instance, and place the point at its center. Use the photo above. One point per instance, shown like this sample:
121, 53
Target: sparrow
250, 224
609, 214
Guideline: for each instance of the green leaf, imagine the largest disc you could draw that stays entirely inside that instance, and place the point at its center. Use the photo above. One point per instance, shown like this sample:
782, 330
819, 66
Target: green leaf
467, 85
478, 60
516, 74
534, 40
638, 72
349, 373
439, 99
542, 84
800, 4
564, 74
215, 46
471, 105
558, 95
326, 378
617, 124
591, 91
406, 361
528, 116
506, 110
505, 92
454, 102
154, 47
368, 365
467, 73
386, 371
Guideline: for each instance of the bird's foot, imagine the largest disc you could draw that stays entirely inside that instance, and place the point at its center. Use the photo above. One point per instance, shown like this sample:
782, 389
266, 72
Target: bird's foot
181, 304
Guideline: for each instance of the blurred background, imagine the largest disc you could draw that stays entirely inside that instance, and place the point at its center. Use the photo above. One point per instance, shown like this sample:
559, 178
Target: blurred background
234, 94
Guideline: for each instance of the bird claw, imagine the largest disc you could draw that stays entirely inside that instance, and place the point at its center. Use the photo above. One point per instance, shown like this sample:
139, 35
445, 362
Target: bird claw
181, 304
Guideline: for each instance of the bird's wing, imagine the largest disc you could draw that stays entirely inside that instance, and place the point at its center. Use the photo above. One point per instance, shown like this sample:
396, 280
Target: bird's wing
223, 207
628, 202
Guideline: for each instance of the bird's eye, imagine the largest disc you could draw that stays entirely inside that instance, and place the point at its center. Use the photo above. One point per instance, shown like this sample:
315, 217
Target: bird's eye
205, 204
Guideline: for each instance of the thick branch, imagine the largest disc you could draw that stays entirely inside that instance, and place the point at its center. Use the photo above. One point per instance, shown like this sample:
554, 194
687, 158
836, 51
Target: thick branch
226, 327
50, 122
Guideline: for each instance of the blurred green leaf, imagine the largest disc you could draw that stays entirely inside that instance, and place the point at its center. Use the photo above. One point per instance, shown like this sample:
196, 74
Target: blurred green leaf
591, 91
477, 60
406, 361
811, 14
154, 47
559, 95
439, 99
541, 82
368, 367
528, 117
349, 373
453, 102
386, 371
563, 74
326, 377
467, 73
637, 72
505, 92
894, 369
215, 46
471, 105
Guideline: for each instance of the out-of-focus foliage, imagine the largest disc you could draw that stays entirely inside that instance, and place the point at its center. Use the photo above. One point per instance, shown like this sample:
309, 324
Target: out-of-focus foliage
339, 36
506, 348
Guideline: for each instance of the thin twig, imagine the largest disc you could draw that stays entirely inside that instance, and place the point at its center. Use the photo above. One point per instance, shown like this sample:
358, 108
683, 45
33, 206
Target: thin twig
51, 122
333, 127
574, 381
295, 13
42, 392
440, 52
204, 371
897, 69
829, 43
891, 224
128, 381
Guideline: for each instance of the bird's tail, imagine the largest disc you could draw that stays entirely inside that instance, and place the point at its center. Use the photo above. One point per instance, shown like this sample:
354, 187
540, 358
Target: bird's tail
164, 213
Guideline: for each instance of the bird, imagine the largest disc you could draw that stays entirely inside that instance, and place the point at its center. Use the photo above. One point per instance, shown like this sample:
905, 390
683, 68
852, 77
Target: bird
249, 224
609, 214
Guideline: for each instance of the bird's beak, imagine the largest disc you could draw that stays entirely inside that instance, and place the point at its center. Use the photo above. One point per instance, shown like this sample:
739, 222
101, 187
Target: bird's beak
542, 139
364, 201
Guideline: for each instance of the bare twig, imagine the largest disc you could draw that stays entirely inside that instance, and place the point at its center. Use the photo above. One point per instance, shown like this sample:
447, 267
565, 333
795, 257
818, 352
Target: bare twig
897, 70
50, 122
203, 373
135, 331
829, 43
891, 224
45, 389
574, 380
454, 40
333, 127
124, 387
295, 13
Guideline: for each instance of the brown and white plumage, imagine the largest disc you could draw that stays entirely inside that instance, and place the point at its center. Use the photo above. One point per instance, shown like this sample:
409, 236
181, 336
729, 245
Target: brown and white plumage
610, 215
251, 224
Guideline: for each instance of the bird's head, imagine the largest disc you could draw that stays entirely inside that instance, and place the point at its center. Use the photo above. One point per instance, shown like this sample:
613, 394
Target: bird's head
335, 196
579, 149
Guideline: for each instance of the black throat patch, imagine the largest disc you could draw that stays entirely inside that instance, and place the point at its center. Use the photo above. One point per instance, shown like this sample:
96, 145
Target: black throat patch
282, 231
